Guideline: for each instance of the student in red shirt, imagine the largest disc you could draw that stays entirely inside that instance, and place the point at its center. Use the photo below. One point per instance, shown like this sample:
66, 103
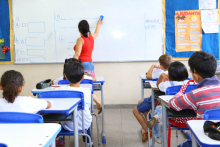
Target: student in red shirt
83, 51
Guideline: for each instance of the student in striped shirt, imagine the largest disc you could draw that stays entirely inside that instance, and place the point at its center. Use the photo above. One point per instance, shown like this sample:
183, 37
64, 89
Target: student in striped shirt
207, 94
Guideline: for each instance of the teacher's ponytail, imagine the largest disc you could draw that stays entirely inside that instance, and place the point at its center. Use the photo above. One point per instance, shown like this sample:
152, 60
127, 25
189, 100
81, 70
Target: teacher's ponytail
84, 28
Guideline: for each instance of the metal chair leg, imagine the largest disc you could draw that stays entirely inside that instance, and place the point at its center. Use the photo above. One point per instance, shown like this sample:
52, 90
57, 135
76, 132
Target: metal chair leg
97, 125
87, 136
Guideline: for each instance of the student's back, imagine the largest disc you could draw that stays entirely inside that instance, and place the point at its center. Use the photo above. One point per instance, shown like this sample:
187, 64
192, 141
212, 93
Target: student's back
177, 74
207, 95
74, 72
87, 113
12, 85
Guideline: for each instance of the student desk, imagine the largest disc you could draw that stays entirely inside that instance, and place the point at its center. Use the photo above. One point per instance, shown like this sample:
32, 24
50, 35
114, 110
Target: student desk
144, 84
153, 88
199, 137
170, 113
61, 106
36, 91
29, 135
98, 86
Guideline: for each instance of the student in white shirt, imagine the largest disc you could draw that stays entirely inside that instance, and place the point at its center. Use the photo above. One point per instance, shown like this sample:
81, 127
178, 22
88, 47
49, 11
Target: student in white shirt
95, 99
12, 84
156, 70
74, 72
177, 75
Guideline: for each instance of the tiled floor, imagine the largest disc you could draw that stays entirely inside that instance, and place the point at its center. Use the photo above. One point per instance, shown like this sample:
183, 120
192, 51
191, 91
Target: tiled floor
122, 130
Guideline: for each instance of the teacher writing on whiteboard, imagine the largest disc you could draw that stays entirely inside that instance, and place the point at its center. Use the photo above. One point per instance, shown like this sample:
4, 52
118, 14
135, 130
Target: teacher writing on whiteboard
83, 51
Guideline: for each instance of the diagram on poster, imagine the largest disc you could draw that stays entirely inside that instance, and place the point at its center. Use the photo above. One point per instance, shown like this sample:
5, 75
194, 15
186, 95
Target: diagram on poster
188, 31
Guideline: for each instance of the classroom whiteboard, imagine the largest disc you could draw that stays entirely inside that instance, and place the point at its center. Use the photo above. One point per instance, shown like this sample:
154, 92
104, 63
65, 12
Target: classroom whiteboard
45, 31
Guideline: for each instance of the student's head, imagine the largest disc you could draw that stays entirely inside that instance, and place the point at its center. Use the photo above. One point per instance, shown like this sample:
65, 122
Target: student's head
66, 61
74, 72
177, 71
202, 65
83, 27
165, 61
12, 84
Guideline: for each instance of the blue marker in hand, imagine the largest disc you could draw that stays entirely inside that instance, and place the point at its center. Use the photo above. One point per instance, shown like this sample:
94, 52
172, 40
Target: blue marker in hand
101, 17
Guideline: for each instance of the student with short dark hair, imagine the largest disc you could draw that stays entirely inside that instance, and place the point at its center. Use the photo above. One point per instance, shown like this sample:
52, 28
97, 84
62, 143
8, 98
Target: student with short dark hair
74, 72
95, 99
12, 83
178, 76
206, 96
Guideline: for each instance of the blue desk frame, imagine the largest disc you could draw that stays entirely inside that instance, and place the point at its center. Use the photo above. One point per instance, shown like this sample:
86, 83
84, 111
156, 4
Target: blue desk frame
72, 110
100, 83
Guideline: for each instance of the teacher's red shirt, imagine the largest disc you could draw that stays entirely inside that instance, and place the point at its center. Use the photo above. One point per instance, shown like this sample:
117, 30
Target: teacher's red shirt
87, 48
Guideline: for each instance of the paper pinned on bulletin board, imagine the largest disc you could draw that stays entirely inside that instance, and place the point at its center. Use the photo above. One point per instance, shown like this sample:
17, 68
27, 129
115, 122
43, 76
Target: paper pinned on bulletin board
188, 31
2, 44
207, 4
210, 21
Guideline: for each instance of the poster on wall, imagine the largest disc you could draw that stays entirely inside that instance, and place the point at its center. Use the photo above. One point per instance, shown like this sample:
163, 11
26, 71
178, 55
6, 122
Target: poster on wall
207, 4
209, 20
188, 31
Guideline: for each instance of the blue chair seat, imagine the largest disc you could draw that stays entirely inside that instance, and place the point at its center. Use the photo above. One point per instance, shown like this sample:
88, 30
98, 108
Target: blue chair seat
64, 132
3, 145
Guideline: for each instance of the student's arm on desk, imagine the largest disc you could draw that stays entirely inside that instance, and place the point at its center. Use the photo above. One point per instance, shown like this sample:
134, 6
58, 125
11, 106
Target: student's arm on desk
93, 79
149, 73
163, 77
183, 101
48, 105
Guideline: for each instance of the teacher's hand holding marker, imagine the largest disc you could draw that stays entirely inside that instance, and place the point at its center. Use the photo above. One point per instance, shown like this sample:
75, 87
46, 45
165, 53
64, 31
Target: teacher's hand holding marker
83, 50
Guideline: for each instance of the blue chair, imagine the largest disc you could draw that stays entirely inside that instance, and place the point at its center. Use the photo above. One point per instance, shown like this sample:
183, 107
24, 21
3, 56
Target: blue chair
172, 91
63, 82
213, 114
175, 89
87, 81
18, 117
3, 145
68, 94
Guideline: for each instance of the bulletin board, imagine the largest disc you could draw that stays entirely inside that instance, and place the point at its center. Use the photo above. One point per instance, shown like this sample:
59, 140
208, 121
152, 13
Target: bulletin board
210, 42
6, 32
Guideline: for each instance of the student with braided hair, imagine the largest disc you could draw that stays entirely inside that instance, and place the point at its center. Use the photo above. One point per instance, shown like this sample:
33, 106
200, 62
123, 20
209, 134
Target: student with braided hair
12, 83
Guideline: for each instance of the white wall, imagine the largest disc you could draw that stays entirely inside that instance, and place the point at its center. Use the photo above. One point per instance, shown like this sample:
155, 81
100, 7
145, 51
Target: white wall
122, 84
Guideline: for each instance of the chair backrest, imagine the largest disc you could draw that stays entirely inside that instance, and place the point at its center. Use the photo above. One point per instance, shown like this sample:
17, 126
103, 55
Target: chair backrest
63, 82
19, 117
175, 89
64, 94
213, 114
3, 145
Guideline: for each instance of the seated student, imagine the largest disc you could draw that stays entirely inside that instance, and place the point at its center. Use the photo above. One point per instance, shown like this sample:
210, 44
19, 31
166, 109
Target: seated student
12, 83
74, 72
156, 70
95, 99
206, 96
178, 75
